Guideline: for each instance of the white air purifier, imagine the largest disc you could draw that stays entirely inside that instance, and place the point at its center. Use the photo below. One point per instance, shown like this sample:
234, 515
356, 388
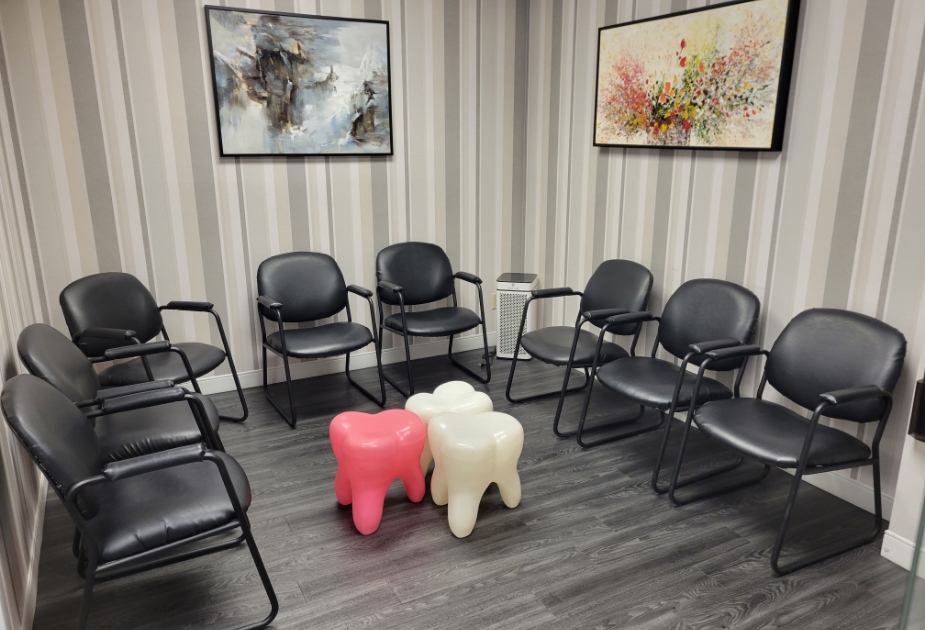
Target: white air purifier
513, 291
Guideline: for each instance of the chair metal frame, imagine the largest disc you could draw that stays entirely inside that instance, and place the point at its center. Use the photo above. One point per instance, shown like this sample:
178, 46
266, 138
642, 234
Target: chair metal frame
275, 306
385, 285
580, 320
829, 399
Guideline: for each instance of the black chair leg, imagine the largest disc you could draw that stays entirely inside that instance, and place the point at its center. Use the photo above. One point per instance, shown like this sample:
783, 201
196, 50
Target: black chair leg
237, 384
813, 559
462, 367
88, 593
676, 484
510, 383
265, 580
622, 435
291, 419
381, 400
389, 380
75, 544
562, 394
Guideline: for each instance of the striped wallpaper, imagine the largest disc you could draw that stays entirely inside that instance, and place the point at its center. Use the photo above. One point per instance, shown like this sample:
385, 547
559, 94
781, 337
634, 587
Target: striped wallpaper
111, 162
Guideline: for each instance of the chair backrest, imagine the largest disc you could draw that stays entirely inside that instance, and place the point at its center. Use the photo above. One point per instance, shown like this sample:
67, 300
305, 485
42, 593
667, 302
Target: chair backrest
57, 435
618, 284
823, 350
309, 285
110, 300
52, 357
423, 270
706, 309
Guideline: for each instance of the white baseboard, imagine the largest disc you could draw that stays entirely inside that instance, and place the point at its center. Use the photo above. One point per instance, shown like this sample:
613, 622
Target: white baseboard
900, 551
850, 490
358, 360
35, 549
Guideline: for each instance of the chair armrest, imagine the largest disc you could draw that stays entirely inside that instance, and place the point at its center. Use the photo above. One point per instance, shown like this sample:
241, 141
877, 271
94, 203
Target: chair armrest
127, 352
631, 318
154, 461
737, 351
129, 390
717, 344
552, 292
106, 333
602, 313
186, 305
468, 277
389, 286
142, 400
851, 394
361, 291
269, 303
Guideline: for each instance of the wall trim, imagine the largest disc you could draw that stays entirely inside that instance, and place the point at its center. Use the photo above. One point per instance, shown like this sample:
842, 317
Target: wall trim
35, 550
333, 365
900, 551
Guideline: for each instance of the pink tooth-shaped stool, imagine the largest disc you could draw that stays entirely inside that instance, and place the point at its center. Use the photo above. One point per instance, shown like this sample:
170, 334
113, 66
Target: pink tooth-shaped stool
373, 450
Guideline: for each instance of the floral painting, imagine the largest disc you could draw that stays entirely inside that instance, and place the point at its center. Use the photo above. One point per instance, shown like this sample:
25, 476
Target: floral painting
289, 84
713, 78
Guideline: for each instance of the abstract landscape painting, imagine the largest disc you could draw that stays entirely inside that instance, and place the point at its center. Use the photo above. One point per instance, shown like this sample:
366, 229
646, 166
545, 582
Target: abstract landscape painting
290, 84
714, 78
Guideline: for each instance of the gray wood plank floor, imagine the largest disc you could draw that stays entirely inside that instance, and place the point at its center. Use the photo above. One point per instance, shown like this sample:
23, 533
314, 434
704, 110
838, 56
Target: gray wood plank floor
590, 546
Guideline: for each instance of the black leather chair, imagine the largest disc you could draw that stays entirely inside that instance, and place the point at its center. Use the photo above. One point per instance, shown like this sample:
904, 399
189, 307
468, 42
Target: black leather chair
161, 416
136, 514
703, 314
411, 274
110, 310
305, 287
615, 287
837, 363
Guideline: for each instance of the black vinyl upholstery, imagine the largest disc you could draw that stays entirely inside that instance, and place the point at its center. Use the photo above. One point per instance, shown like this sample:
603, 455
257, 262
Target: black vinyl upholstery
309, 285
51, 356
326, 340
651, 382
823, 350
168, 366
110, 300
437, 322
423, 270
141, 513
553, 344
772, 434
706, 309
617, 284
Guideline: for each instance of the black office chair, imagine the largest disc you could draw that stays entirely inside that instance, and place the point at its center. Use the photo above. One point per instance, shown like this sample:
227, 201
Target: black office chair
122, 508
838, 363
616, 286
305, 287
414, 273
110, 310
161, 417
703, 314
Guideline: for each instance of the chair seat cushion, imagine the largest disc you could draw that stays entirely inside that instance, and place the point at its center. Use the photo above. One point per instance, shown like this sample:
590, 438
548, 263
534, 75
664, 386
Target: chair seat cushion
326, 340
141, 513
553, 344
651, 382
168, 366
772, 434
142, 431
436, 322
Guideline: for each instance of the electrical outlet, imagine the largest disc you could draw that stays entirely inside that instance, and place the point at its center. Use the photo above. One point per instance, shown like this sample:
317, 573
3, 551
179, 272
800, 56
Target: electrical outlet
494, 301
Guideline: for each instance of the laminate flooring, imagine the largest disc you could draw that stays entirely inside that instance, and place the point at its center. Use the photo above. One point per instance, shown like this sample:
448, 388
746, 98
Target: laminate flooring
590, 545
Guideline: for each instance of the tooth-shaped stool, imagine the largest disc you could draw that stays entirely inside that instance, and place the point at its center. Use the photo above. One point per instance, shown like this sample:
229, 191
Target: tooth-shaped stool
373, 450
471, 452
454, 396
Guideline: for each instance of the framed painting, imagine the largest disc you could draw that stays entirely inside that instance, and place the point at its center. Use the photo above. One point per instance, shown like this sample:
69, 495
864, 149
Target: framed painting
289, 84
717, 78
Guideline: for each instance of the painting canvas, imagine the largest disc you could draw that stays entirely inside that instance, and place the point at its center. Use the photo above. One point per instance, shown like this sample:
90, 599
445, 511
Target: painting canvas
711, 78
289, 84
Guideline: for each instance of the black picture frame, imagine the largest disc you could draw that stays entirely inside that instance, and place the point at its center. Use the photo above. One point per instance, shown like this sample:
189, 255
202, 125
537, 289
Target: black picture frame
781, 100
223, 141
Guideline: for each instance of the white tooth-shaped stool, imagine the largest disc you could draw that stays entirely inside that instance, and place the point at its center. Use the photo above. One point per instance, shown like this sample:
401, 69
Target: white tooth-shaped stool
454, 396
471, 452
